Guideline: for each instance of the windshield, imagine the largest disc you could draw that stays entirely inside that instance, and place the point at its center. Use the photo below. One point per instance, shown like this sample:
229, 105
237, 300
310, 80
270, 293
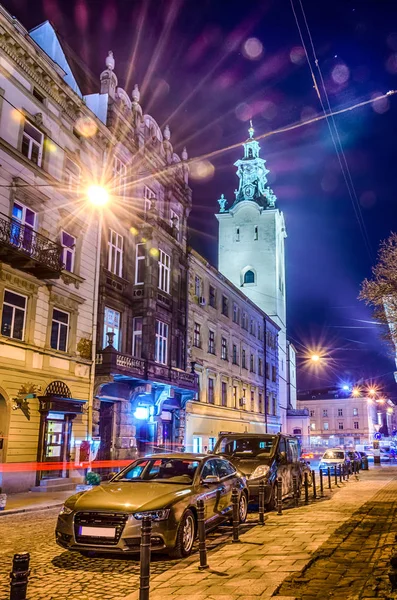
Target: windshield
246, 447
163, 470
334, 454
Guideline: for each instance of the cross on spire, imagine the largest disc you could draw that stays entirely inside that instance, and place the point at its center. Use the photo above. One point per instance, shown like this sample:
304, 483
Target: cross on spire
251, 130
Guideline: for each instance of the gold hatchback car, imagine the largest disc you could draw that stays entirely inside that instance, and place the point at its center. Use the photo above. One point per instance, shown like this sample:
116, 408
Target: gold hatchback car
165, 487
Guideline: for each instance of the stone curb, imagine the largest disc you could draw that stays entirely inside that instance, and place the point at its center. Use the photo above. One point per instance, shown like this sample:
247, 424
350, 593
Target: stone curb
15, 511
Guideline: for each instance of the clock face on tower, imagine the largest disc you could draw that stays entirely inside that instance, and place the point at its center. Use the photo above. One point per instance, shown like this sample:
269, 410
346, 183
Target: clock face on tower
249, 191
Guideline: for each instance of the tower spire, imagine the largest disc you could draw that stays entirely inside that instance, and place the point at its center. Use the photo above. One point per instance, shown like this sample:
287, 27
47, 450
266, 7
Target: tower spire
251, 130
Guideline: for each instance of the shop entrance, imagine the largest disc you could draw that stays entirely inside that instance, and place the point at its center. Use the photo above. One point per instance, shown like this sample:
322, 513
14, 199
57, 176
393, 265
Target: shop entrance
58, 428
106, 416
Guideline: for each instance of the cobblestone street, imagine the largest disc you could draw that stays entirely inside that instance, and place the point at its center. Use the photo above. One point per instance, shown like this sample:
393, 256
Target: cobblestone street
335, 548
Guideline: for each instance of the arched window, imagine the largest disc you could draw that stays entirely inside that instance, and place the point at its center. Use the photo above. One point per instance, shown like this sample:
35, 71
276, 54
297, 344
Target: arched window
297, 431
249, 277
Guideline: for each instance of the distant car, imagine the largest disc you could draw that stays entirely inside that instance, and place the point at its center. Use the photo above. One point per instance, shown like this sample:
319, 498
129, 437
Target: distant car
355, 460
307, 455
332, 459
165, 487
263, 457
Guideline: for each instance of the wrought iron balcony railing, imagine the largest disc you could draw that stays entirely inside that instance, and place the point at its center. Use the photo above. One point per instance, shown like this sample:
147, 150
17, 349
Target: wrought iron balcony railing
27, 250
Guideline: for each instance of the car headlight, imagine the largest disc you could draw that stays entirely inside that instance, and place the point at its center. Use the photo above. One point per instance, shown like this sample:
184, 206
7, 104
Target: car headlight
260, 471
155, 515
65, 510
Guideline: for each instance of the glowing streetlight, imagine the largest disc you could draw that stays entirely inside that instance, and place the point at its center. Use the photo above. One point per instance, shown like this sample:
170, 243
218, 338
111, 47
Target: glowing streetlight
355, 392
315, 358
371, 391
98, 195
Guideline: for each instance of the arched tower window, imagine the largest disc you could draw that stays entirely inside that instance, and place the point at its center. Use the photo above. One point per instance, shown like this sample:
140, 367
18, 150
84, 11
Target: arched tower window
249, 277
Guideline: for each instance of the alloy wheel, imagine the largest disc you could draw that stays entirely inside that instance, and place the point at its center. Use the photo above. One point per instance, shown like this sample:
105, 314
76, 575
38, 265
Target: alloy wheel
188, 533
243, 507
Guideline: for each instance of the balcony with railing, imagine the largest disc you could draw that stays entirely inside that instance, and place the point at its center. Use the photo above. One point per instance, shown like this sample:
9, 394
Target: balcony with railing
27, 250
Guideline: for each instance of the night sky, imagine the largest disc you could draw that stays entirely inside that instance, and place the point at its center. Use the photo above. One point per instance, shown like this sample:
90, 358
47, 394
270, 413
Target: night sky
206, 68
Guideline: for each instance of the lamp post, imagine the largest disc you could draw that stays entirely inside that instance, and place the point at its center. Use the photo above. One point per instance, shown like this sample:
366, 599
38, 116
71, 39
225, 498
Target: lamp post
98, 197
375, 445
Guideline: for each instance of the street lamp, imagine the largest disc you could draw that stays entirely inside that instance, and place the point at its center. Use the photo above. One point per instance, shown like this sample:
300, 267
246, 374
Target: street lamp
97, 195
314, 358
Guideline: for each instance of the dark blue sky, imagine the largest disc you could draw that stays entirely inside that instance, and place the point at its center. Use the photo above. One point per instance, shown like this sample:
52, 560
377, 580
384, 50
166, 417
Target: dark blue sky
194, 67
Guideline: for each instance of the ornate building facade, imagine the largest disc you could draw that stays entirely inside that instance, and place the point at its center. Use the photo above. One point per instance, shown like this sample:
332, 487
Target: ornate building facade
234, 347
251, 255
47, 263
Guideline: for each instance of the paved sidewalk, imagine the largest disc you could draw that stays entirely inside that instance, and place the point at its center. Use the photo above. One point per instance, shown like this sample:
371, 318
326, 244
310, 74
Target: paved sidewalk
31, 501
336, 548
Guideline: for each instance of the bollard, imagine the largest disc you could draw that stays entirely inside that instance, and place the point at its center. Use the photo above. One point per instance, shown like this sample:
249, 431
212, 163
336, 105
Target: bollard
343, 471
295, 490
365, 463
236, 520
340, 473
347, 472
336, 475
19, 576
306, 488
321, 484
201, 535
261, 502
279, 496
354, 468
329, 477
314, 485
144, 575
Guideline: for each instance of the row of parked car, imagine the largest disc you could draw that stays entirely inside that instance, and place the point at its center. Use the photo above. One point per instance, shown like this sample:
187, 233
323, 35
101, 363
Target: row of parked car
351, 460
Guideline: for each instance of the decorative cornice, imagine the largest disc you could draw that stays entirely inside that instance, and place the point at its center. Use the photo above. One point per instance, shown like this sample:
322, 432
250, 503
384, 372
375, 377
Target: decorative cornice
20, 283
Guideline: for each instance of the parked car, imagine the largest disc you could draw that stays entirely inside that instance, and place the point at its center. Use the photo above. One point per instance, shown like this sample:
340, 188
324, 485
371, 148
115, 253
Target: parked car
355, 459
165, 487
263, 457
332, 459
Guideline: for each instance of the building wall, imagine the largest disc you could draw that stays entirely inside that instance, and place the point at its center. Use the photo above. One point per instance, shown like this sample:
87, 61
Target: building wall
241, 409
31, 363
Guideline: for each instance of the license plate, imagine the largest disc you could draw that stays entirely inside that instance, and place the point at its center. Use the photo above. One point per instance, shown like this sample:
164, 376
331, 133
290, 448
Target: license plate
109, 532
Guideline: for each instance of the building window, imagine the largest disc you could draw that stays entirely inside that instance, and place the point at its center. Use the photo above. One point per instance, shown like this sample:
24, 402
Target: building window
235, 396
312, 426
260, 398
224, 348
211, 389
115, 253
72, 175
256, 232
14, 314
267, 371
274, 374
312, 413
164, 272
225, 306
224, 393
148, 197
252, 364
355, 425
59, 330
243, 364
252, 327
161, 346
259, 333
244, 323
355, 412
68, 243
237, 234
112, 325
249, 277
260, 366
197, 335
234, 356
139, 264
325, 426
211, 341
325, 412
38, 95
175, 223
211, 443
137, 337
32, 143
197, 286
212, 298
23, 236
119, 176
197, 445
340, 412
235, 313
340, 425
252, 401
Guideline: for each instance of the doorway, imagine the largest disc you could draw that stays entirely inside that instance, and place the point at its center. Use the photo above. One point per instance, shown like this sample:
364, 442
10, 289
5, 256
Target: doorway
3, 429
106, 417
57, 436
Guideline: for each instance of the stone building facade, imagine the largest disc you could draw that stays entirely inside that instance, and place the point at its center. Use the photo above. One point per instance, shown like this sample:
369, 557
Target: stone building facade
233, 345
47, 262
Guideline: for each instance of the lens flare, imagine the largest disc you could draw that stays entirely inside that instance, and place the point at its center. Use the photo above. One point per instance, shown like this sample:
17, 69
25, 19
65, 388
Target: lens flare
86, 127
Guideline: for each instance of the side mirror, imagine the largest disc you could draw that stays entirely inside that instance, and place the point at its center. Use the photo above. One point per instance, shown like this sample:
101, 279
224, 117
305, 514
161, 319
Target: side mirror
210, 479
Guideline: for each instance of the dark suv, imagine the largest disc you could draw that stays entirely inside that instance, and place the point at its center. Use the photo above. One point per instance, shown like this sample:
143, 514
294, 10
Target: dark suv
263, 457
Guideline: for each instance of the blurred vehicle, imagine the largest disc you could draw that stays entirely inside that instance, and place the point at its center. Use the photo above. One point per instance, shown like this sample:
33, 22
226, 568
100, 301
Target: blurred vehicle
332, 459
263, 457
355, 459
165, 487
305, 467
384, 456
364, 460
307, 455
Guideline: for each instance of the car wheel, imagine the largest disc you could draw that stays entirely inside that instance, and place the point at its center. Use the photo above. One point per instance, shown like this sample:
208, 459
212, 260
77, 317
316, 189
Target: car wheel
242, 508
185, 536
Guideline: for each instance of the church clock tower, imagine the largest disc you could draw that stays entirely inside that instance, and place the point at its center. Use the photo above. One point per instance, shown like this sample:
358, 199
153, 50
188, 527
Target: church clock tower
251, 248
